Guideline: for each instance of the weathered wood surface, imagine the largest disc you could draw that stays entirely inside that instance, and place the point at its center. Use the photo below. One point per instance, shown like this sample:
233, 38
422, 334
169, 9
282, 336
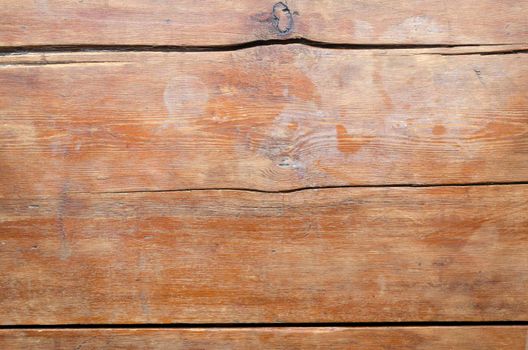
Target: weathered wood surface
98, 151
269, 118
335, 338
333, 255
215, 22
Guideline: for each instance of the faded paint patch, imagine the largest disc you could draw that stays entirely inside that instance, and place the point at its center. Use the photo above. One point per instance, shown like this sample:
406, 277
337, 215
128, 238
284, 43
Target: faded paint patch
347, 143
65, 249
145, 304
42, 6
439, 130
363, 29
416, 27
382, 285
185, 96
377, 79
498, 130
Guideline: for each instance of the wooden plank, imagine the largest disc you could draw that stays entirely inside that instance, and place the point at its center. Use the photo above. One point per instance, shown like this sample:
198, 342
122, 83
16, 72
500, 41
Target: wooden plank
335, 338
215, 22
333, 255
269, 118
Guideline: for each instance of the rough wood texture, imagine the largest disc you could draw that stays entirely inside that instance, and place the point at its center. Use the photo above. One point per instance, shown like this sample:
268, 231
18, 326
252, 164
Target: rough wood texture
256, 161
269, 118
221, 22
379, 254
437, 338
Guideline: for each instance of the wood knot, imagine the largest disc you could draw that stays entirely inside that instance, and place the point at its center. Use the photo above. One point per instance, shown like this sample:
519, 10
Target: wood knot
282, 18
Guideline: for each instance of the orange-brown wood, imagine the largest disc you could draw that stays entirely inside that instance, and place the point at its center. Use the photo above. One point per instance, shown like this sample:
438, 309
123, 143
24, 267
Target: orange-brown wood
269, 118
215, 22
333, 255
184, 162
395, 338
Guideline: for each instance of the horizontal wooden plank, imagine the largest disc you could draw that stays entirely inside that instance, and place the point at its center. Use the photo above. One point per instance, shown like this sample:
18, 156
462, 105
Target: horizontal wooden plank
334, 255
269, 118
214, 22
438, 338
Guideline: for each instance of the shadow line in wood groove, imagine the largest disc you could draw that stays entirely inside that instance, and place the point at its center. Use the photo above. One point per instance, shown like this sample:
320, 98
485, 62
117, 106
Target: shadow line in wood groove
301, 189
276, 325
16, 50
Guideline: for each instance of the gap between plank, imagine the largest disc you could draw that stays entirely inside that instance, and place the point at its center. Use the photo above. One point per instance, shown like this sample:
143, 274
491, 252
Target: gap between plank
309, 188
19, 50
275, 325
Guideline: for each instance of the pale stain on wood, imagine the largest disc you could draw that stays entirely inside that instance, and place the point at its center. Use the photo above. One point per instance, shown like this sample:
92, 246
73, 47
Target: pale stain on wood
262, 118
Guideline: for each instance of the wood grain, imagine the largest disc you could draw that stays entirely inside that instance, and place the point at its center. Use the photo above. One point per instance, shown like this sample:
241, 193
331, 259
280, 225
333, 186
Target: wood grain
215, 22
395, 338
269, 118
333, 255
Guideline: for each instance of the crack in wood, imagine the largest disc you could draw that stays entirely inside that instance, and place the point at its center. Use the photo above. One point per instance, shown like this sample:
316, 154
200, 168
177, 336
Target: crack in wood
476, 49
301, 189
56, 63
241, 325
